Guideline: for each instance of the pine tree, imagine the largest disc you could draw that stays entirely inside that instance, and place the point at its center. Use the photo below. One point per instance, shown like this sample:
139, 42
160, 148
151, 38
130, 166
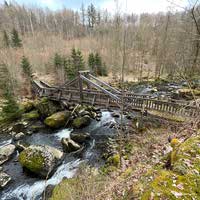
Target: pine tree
58, 61
69, 70
91, 15
80, 61
10, 109
77, 60
6, 41
26, 67
16, 41
98, 64
91, 63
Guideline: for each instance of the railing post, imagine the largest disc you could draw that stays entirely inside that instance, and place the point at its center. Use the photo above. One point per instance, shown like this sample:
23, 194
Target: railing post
80, 87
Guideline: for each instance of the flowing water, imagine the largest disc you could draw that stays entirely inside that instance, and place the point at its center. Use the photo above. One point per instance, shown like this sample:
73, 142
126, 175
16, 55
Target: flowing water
25, 187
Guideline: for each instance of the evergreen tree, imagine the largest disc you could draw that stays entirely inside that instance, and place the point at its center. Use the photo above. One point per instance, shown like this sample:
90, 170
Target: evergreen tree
6, 41
91, 63
10, 109
69, 70
98, 64
80, 61
26, 67
58, 61
91, 15
16, 41
77, 60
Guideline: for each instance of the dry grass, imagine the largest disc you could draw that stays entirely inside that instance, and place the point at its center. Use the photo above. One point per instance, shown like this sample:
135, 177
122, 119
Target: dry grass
41, 48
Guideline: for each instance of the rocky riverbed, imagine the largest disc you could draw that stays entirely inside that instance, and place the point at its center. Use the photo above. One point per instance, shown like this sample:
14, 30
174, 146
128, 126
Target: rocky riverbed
48, 144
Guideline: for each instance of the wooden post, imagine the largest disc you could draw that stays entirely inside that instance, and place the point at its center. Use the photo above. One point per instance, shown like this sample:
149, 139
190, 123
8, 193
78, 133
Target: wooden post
80, 87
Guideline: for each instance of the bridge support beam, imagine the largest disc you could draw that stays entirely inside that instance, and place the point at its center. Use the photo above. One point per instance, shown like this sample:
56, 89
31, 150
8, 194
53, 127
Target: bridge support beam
80, 87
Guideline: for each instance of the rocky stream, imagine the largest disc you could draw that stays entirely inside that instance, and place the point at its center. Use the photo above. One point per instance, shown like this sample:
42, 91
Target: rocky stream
40, 139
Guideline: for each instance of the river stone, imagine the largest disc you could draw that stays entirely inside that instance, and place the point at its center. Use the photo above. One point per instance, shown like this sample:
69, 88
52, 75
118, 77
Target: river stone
117, 115
40, 159
19, 127
83, 113
69, 145
58, 120
6, 152
4, 179
20, 145
46, 107
81, 122
80, 137
19, 136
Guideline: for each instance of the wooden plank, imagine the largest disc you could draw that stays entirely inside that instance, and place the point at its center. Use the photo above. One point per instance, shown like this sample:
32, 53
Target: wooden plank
105, 84
99, 87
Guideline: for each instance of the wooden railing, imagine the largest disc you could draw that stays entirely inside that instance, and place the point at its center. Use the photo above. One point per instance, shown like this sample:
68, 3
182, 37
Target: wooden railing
106, 98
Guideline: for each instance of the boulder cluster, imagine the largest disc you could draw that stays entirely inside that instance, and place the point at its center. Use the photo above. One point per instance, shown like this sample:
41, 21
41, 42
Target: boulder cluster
42, 114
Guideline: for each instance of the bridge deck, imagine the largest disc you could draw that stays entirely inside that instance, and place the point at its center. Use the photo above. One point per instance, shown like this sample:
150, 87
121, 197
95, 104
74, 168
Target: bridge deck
110, 98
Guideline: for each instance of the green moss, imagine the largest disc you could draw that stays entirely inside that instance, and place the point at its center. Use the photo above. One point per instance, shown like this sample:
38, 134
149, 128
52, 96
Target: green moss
33, 162
169, 185
46, 107
33, 115
183, 180
81, 122
114, 160
127, 172
27, 106
57, 120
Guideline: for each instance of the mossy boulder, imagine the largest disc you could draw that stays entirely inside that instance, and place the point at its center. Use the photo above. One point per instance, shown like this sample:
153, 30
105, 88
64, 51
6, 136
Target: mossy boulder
81, 122
27, 106
69, 145
47, 107
80, 137
58, 120
40, 160
33, 115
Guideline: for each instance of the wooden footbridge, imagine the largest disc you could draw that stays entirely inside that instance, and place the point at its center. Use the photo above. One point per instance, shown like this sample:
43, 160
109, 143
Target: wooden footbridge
87, 89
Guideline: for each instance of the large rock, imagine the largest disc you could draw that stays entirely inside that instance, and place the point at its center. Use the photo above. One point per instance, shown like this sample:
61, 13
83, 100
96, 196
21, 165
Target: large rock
81, 122
69, 145
58, 120
19, 127
19, 136
40, 160
4, 179
115, 114
27, 106
6, 152
46, 107
33, 115
80, 137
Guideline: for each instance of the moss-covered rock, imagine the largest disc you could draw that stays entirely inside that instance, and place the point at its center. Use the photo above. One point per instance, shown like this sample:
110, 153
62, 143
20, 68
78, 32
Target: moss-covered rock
80, 137
81, 122
40, 160
27, 106
57, 120
33, 115
69, 145
47, 107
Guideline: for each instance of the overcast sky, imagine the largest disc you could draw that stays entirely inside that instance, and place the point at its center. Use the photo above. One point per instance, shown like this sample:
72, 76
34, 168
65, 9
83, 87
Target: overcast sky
133, 6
